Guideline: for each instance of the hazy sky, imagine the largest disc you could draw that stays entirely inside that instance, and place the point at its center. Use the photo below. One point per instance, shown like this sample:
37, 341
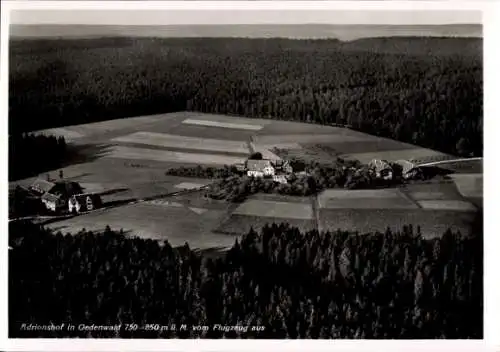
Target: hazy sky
176, 17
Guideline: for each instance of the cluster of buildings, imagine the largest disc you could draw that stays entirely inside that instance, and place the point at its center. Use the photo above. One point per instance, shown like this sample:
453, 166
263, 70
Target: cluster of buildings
278, 170
62, 196
384, 170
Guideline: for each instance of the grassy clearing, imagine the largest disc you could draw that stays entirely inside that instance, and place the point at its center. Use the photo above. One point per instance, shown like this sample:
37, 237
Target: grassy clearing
369, 203
175, 224
89, 129
469, 185
310, 138
281, 198
190, 185
423, 196
229, 125
365, 199
238, 224
465, 167
393, 155
368, 146
433, 223
280, 146
452, 205
308, 154
227, 118
212, 133
174, 141
175, 157
274, 209
288, 127
360, 193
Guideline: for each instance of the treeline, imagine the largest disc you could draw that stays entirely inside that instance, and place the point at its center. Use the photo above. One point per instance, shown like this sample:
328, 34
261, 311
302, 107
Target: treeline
31, 154
203, 172
428, 97
295, 285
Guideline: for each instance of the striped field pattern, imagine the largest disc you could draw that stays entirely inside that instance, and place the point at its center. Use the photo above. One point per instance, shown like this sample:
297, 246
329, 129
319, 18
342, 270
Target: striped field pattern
452, 205
309, 138
169, 156
175, 141
365, 199
230, 125
274, 209
417, 154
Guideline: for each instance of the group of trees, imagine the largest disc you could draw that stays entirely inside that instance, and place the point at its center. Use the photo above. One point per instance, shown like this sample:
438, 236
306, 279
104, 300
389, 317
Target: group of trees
295, 285
427, 96
203, 172
318, 176
31, 154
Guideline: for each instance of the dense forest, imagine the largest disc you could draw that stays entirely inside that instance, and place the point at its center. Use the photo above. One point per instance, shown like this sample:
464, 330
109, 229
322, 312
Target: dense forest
294, 285
426, 91
31, 154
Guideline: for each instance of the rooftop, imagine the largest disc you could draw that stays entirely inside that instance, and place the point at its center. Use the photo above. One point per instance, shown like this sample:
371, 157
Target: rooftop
258, 165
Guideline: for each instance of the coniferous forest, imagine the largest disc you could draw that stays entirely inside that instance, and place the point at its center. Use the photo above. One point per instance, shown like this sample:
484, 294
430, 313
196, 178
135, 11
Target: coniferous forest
287, 283
426, 91
31, 154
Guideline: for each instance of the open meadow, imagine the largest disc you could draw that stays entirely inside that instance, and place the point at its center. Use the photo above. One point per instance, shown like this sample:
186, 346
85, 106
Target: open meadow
125, 162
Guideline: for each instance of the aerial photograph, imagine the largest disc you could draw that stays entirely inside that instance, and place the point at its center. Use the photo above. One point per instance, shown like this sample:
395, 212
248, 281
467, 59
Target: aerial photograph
173, 175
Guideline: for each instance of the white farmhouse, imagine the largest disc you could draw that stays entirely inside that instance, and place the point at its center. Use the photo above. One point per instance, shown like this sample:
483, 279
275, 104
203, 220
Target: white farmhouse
260, 168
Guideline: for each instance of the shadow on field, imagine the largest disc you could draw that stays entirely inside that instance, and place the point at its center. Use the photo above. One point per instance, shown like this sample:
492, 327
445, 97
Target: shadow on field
86, 153
433, 171
117, 203
59, 228
113, 191
85, 174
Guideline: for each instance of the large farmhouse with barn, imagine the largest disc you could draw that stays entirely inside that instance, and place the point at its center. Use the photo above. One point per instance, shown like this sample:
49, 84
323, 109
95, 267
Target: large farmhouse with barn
56, 196
278, 170
260, 168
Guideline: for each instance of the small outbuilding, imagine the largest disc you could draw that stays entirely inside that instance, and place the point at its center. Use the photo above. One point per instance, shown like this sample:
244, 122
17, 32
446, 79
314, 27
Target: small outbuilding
280, 179
53, 202
381, 168
409, 169
84, 202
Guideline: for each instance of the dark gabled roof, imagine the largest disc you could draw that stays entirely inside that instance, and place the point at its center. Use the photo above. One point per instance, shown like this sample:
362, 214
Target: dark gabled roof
50, 197
406, 165
42, 186
258, 165
67, 188
380, 165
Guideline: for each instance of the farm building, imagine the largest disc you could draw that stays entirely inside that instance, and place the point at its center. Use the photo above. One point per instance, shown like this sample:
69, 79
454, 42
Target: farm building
283, 165
409, 169
53, 202
280, 179
84, 202
41, 186
55, 195
382, 169
260, 168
